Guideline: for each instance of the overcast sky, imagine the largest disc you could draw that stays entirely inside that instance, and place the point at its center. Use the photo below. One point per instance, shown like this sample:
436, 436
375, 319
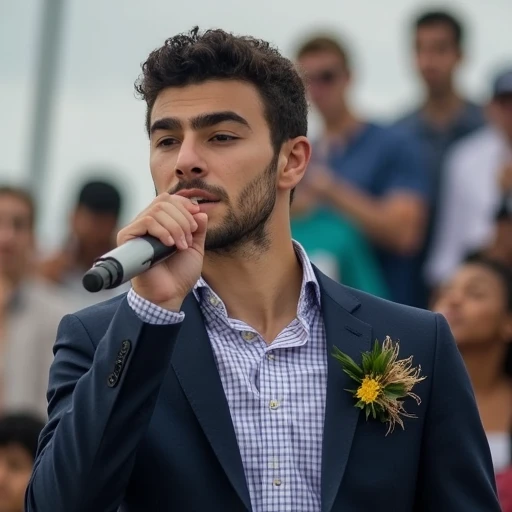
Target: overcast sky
99, 122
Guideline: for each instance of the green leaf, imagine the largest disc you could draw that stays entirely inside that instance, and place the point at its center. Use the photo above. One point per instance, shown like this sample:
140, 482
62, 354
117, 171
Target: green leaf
347, 362
381, 362
367, 413
395, 388
352, 375
367, 363
383, 417
377, 349
353, 391
374, 413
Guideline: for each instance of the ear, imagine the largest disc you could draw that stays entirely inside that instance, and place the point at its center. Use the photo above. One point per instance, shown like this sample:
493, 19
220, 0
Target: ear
293, 161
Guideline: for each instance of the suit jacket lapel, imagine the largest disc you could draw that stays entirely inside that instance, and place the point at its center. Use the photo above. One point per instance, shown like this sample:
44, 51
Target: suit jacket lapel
194, 364
353, 337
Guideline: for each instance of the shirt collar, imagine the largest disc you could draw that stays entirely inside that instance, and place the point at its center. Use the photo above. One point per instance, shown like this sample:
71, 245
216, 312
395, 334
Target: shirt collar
465, 118
309, 298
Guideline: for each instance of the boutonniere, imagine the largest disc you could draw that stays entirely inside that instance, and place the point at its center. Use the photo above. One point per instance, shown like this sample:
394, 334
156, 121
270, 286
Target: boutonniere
383, 381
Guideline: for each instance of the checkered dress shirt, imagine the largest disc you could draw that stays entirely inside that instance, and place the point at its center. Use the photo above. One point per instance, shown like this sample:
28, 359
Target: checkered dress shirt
276, 393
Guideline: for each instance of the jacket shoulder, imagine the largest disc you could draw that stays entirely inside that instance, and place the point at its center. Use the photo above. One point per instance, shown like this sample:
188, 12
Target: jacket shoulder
97, 318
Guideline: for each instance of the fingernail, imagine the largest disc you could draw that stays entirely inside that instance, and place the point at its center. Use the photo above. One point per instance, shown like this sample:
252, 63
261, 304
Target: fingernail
194, 225
184, 243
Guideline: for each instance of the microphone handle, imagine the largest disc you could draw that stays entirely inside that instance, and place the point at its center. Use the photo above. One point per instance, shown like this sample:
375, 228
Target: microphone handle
126, 262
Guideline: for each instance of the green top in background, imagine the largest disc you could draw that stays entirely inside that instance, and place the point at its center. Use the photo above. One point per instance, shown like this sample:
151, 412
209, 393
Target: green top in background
339, 250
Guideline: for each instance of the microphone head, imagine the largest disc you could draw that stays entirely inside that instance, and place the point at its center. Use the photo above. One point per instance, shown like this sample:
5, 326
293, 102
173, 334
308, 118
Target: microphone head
94, 279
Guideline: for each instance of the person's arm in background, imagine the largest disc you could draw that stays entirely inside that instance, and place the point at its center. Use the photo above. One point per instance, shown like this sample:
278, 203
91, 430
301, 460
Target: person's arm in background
448, 242
456, 471
397, 220
101, 400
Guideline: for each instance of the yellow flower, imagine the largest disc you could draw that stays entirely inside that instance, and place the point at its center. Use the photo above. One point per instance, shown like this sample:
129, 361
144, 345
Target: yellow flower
369, 390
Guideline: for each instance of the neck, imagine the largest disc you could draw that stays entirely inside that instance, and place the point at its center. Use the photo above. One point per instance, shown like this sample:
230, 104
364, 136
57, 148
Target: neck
484, 363
442, 107
261, 289
340, 123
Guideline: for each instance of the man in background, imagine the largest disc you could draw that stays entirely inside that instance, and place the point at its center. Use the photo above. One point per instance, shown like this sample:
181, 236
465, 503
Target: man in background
30, 310
93, 227
19, 434
366, 173
444, 115
478, 178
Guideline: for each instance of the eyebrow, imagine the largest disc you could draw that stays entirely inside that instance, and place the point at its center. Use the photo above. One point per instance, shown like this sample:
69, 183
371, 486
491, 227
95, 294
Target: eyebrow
200, 122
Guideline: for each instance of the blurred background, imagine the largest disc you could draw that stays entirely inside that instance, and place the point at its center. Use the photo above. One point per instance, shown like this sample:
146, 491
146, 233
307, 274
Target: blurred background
95, 119
408, 195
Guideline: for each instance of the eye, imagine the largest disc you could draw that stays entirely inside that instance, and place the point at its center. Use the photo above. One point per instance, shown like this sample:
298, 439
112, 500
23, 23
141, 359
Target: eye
222, 137
166, 142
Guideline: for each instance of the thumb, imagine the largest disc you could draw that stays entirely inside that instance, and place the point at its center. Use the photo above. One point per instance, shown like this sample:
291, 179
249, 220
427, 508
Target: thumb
199, 235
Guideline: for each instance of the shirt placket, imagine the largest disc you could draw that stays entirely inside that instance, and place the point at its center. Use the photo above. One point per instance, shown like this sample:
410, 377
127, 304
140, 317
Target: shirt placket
276, 459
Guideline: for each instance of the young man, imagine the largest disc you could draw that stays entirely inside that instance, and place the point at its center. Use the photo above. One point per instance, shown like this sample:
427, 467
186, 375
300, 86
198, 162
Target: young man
92, 233
367, 173
478, 177
211, 385
30, 310
18, 444
445, 116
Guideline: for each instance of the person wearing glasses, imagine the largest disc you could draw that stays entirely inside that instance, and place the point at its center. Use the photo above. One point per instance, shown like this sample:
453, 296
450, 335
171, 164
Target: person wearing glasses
369, 174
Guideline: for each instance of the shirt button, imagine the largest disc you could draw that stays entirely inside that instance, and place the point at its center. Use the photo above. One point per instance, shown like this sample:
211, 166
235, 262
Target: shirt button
274, 404
271, 356
277, 482
214, 301
248, 335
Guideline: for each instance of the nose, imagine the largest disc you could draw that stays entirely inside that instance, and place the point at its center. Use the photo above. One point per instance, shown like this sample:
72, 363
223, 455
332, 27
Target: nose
190, 163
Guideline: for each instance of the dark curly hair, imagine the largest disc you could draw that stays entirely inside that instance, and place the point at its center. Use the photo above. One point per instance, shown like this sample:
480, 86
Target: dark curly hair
196, 57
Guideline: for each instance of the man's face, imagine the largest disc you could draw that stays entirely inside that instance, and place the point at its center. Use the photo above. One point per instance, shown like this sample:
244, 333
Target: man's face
15, 469
16, 235
213, 137
328, 80
437, 56
93, 229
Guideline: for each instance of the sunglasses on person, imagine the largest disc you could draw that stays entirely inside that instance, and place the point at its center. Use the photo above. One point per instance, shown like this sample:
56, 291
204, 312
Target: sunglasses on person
325, 77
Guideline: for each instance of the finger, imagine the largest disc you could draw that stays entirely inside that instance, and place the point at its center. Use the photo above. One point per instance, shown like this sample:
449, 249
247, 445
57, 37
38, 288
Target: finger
146, 226
175, 222
188, 211
176, 210
178, 201
185, 202
200, 233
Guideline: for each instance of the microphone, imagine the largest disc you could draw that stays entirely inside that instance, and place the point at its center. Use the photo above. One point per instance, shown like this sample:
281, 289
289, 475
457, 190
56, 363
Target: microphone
125, 262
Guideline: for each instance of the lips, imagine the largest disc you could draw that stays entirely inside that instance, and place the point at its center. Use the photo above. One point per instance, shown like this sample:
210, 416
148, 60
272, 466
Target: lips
199, 196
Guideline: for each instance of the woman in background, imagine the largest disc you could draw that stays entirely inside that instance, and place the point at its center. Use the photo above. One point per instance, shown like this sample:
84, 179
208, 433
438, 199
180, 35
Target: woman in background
477, 302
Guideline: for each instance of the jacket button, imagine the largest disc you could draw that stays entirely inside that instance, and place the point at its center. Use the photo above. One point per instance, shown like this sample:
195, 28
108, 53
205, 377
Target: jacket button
112, 380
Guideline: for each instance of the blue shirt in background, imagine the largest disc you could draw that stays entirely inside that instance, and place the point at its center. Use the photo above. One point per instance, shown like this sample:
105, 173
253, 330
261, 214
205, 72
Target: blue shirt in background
435, 143
381, 161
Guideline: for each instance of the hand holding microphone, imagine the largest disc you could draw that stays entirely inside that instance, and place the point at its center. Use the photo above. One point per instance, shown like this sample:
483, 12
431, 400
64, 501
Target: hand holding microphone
171, 221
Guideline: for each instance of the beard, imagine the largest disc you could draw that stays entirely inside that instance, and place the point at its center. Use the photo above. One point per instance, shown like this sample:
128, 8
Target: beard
244, 227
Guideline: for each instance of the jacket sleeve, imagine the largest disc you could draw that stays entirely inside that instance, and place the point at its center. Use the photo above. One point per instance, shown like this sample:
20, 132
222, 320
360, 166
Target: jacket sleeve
100, 402
456, 472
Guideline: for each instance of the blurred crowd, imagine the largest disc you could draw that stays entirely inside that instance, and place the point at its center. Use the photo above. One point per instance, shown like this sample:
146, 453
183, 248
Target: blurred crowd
418, 211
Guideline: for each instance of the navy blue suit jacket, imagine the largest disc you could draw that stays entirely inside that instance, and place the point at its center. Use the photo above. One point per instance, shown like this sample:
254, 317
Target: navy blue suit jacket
138, 419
